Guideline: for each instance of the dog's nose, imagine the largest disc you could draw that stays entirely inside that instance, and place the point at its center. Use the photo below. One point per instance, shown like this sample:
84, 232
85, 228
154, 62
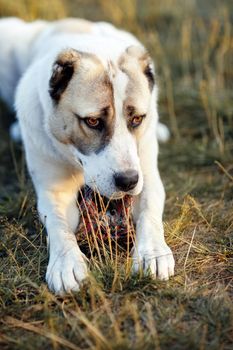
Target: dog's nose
127, 180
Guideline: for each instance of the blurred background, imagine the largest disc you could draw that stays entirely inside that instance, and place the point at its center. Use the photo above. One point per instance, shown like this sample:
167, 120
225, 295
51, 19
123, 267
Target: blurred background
192, 45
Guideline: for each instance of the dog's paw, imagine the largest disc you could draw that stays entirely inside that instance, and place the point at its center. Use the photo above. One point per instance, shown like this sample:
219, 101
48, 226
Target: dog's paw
66, 271
158, 261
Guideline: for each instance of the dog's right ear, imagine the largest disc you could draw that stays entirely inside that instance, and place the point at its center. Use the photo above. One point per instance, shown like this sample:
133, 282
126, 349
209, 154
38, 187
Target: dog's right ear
63, 70
145, 61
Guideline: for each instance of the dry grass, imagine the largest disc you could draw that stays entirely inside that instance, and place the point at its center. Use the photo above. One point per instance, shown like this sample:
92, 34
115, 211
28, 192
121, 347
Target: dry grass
192, 44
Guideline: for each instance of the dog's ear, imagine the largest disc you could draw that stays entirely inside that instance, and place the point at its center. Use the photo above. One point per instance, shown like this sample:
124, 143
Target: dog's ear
62, 72
145, 61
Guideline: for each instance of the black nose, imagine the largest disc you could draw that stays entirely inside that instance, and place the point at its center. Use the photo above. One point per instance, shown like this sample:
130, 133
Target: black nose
127, 180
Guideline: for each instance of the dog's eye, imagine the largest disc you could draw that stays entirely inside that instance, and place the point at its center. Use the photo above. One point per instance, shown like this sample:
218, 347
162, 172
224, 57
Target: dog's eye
136, 121
93, 122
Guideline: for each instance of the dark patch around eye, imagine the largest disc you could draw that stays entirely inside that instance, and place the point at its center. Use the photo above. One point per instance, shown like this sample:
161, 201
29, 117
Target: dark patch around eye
94, 139
98, 127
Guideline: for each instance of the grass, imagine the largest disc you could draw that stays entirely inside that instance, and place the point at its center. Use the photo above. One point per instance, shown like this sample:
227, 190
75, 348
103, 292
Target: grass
192, 44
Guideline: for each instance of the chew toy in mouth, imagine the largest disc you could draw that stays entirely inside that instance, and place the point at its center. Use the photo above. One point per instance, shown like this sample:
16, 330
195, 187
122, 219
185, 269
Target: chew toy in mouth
103, 220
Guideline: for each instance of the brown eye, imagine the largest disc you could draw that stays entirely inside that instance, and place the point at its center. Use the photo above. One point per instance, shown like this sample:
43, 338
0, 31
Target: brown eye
92, 122
136, 121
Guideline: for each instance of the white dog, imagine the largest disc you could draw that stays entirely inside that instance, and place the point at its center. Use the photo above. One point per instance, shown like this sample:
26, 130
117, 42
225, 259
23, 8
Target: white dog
86, 105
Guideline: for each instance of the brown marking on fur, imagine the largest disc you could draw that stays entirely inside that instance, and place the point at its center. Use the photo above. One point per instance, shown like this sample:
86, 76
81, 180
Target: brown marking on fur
89, 92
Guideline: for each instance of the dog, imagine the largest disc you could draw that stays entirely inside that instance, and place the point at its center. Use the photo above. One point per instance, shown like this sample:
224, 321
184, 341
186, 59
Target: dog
85, 96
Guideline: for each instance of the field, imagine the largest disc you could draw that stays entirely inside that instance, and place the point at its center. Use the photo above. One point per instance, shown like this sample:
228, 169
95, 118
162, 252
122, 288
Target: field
192, 44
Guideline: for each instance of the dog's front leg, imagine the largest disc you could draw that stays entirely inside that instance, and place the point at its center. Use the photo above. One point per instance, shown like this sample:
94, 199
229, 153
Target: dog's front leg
56, 187
66, 268
151, 251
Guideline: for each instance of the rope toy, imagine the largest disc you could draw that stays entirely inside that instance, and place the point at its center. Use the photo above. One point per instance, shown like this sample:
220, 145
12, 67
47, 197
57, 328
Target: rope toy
102, 219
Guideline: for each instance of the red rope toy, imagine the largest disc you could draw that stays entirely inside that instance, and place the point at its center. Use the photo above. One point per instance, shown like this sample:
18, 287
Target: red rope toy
103, 219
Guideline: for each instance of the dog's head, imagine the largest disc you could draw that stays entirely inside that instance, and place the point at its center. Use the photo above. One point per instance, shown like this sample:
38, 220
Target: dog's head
100, 111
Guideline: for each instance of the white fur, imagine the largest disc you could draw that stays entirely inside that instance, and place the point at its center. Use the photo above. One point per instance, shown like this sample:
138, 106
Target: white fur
55, 168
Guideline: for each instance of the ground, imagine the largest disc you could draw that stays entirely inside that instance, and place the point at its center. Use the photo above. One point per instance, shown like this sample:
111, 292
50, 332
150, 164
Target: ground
191, 42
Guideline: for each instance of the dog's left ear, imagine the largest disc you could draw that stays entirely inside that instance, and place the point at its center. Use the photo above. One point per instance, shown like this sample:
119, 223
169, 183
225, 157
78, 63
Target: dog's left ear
145, 62
62, 72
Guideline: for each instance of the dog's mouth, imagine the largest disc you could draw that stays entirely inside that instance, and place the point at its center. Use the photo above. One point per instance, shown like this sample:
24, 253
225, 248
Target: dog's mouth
88, 194
86, 190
